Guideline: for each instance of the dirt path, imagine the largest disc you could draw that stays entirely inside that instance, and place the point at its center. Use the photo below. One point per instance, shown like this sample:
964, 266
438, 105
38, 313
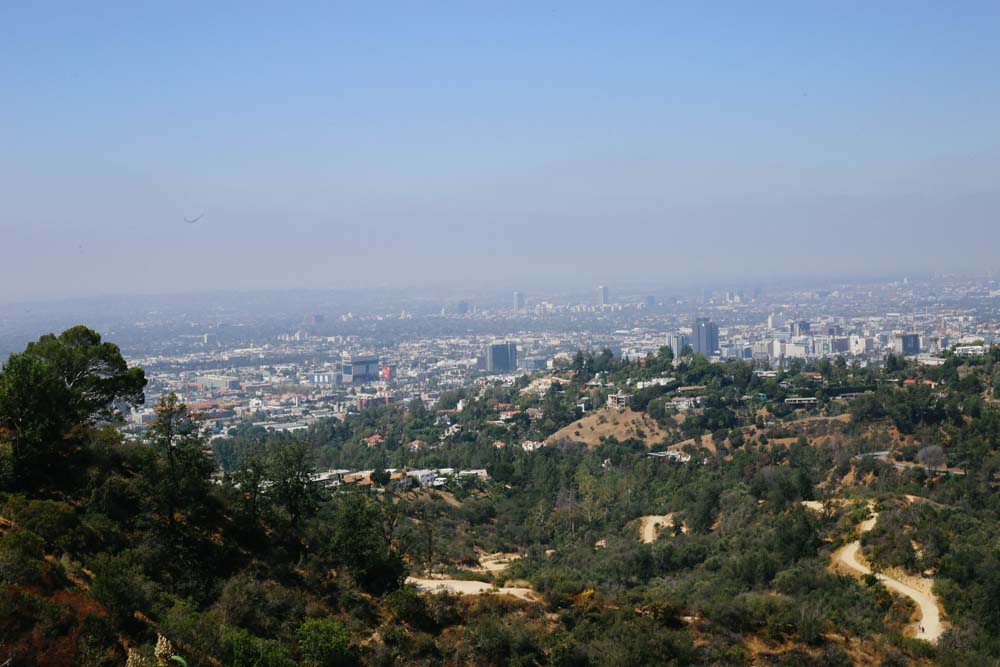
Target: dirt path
469, 588
493, 563
650, 525
820, 506
929, 627
497, 562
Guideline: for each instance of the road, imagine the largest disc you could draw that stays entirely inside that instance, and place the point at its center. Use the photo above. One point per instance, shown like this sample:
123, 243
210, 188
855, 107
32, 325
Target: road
929, 627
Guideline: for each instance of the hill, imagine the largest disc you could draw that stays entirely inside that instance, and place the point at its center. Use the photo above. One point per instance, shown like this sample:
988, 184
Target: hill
597, 426
241, 555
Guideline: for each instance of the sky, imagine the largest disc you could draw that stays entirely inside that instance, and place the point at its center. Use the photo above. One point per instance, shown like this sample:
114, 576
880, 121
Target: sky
364, 144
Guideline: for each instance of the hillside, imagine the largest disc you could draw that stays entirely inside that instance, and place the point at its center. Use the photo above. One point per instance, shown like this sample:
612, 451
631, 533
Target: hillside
153, 549
597, 426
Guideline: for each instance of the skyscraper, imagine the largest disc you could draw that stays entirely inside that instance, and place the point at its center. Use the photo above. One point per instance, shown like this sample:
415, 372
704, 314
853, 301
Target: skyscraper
519, 300
602, 294
800, 328
906, 344
501, 357
677, 342
705, 335
356, 369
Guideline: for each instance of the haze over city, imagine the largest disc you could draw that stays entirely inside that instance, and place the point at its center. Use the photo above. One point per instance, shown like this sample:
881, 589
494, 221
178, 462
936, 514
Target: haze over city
347, 146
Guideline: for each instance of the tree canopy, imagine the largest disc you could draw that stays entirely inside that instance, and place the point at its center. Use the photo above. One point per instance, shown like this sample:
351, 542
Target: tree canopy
56, 387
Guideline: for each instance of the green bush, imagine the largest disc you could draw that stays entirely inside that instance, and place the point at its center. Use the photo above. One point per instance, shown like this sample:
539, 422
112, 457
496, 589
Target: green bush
196, 631
263, 607
121, 586
408, 606
21, 556
240, 648
53, 521
324, 642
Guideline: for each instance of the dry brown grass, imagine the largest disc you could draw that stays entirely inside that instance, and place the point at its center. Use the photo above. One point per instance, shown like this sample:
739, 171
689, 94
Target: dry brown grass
597, 426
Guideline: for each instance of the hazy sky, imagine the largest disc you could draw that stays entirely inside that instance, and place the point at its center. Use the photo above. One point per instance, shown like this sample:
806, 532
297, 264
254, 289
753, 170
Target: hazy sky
481, 143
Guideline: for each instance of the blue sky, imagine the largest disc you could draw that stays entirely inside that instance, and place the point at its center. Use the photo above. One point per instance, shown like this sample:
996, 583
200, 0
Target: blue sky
336, 144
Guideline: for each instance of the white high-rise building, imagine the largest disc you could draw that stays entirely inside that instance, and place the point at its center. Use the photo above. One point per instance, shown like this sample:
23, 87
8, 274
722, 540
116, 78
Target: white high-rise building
860, 344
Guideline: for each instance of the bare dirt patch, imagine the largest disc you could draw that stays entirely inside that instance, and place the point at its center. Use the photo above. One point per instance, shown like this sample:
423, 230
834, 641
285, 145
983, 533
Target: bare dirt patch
470, 588
597, 426
651, 525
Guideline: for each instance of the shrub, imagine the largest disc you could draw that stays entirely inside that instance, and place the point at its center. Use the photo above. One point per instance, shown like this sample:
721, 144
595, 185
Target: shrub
408, 606
264, 607
121, 586
242, 649
324, 642
21, 555
53, 521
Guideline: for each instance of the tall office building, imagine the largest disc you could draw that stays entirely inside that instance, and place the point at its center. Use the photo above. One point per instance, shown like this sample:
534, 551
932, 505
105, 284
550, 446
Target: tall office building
602, 295
359, 369
800, 328
519, 300
650, 301
677, 342
906, 344
501, 357
705, 336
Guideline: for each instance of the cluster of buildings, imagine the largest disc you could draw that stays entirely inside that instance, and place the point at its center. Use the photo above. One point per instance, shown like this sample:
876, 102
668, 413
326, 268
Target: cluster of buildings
866, 340
286, 375
399, 479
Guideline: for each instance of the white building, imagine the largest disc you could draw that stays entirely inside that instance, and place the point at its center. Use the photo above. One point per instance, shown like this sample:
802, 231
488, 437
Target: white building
423, 477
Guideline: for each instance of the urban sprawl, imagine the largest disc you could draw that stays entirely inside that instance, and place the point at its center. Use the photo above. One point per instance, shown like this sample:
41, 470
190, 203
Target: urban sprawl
330, 365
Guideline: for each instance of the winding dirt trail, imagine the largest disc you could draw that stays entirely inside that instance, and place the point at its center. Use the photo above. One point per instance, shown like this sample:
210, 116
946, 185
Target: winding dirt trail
929, 627
497, 562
